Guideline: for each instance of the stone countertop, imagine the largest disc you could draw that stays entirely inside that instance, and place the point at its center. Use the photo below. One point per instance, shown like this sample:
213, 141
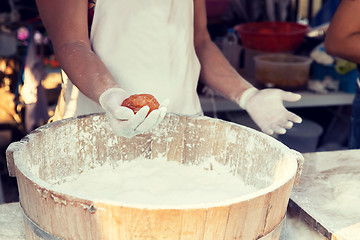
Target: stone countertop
328, 196
11, 222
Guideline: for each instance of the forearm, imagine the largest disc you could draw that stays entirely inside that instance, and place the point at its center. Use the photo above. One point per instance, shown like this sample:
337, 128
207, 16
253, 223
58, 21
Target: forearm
217, 73
346, 48
84, 68
343, 36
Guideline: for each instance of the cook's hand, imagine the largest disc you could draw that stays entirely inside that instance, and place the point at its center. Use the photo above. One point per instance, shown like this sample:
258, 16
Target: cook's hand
267, 110
122, 120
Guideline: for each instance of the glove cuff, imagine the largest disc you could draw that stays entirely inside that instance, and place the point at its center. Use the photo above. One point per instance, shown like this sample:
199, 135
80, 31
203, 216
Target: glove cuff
109, 91
247, 94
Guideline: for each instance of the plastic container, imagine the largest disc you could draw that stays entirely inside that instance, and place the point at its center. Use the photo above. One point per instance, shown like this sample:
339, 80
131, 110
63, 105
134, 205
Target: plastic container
303, 137
272, 36
286, 71
230, 48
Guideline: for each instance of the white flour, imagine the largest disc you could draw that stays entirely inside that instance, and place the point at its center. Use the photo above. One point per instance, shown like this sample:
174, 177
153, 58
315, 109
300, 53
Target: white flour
156, 182
337, 211
346, 194
296, 229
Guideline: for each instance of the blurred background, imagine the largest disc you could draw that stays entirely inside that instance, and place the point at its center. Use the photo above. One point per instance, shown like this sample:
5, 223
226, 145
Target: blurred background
29, 80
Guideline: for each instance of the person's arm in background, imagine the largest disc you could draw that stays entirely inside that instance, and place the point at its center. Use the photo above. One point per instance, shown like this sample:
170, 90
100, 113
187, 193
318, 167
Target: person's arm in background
343, 41
343, 35
265, 107
67, 26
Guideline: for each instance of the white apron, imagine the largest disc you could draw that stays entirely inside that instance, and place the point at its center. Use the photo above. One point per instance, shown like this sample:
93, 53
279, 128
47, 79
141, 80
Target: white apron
148, 47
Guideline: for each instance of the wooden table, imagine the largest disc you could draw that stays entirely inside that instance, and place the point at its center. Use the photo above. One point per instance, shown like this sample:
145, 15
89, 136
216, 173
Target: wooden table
309, 200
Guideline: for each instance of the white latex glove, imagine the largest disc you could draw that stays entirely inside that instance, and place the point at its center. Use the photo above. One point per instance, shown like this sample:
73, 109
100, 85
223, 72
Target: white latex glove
267, 110
122, 120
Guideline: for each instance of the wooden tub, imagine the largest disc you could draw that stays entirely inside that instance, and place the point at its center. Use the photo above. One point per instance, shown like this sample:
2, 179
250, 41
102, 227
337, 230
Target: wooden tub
72, 146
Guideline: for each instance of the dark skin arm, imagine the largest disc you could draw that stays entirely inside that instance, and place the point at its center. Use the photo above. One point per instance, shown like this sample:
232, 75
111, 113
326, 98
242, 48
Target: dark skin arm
216, 72
343, 36
66, 24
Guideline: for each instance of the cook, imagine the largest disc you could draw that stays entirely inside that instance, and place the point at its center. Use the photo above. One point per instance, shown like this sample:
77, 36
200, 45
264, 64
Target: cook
158, 47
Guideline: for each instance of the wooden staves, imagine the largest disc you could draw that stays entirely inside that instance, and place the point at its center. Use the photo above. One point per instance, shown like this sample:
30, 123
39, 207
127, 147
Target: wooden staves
72, 146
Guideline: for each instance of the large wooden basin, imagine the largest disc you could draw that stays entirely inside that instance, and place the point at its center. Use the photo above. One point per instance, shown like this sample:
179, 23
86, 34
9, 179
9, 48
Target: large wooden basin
72, 146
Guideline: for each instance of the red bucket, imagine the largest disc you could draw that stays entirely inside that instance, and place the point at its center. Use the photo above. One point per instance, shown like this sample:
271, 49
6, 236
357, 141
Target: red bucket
272, 36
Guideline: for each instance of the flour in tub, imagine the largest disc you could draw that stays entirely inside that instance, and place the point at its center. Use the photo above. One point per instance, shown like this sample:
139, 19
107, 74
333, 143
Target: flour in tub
156, 182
